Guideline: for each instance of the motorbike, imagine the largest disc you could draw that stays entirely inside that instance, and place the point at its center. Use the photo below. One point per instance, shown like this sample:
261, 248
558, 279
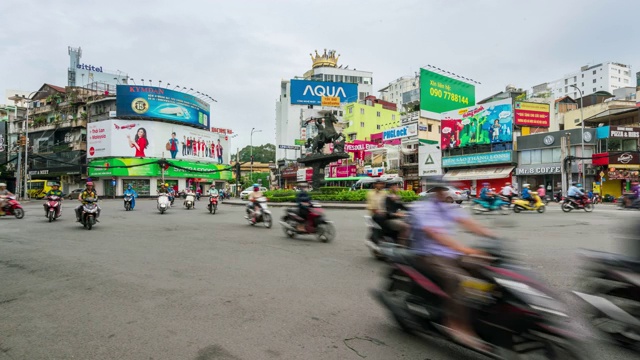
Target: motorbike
315, 224
127, 202
612, 296
189, 200
512, 313
52, 207
197, 196
13, 207
500, 204
635, 204
379, 238
557, 197
89, 213
262, 214
213, 204
569, 204
524, 205
163, 203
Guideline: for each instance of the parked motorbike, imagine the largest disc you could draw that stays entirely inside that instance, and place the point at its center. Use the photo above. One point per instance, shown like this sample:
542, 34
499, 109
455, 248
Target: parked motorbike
570, 203
189, 200
379, 238
262, 214
163, 203
89, 213
500, 204
511, 312
127, 202
213, 204
52, 207
524, 205
13, 207
315, 224
613, 296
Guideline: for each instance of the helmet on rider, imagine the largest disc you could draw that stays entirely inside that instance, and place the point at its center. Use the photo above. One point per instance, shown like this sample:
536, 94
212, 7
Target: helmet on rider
3, 185
256, 187
166, 185
129, 187
507, 184
89, 183
579, 185
526, 185
55, 185
541, 186
486, 184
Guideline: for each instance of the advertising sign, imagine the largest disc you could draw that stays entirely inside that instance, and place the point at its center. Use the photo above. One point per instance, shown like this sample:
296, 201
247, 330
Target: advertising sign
430, 160
627, 158
289, 147
483, 124
141, 138
222, 131
152, 169
304, 174
160, 103
538, 170
330, 101
299, 142
309, 92
495, 157
617, 174
439, 93
400, 132
532, 114
357, 146
622, 132
337, 171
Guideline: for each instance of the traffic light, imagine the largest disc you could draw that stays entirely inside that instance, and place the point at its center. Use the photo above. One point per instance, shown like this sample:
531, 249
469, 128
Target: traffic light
23, 140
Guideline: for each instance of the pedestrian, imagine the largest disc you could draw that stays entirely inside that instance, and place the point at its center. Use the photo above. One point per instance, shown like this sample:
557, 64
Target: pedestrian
189, 146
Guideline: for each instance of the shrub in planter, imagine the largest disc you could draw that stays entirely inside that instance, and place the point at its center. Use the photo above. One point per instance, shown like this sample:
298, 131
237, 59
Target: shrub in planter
329, 190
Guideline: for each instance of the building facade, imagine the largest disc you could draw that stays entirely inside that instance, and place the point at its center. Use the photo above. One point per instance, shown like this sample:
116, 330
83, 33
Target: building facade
367, 118
396, 90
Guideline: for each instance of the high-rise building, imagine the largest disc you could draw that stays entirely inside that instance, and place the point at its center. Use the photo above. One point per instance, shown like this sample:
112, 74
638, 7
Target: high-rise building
606, 77
301, 97
395, 90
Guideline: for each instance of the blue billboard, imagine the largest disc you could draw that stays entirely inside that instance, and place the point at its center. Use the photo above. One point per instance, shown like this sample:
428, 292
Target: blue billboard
160, 103
309, 92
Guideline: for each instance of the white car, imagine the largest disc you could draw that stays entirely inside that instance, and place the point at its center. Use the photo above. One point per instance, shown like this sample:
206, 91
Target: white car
453, 194
245, 193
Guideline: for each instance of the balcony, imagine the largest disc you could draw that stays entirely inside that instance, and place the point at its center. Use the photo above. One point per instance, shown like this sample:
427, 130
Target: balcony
41, 109
58, 125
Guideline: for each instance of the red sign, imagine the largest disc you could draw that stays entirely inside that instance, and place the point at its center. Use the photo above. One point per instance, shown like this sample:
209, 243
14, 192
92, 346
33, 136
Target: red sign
342, 171
450, 133
92, 151
531, 114
360, 146
221, 130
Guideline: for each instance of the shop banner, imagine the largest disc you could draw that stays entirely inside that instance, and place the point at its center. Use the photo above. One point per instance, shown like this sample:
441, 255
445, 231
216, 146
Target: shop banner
538, 170
627, 158
430, 160
622, 132
495, 157
622, 174
358, 146
488, 123
141, 138
341, 171
160, 103
149, 168
400, 132
439, 93
304, 175
532, 114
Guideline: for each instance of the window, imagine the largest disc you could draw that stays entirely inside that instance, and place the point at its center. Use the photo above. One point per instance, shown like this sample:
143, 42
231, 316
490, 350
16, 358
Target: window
340, 113
536, 156
352, 137
378, 113
393, 116
339, 78
566, 89
362, 111
566, 81
626, 81
582, 84
378, 127
594, 81
547, 156
626, 73
430, 128
361, 124
555, 157
350, 109
583, 76
575, 79
525, 158
594, 72
594, 89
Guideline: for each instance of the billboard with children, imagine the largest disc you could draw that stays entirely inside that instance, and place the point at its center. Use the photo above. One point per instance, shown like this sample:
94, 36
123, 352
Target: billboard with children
488, 123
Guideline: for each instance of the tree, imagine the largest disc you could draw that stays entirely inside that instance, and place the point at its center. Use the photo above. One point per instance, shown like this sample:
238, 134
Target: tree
264, 153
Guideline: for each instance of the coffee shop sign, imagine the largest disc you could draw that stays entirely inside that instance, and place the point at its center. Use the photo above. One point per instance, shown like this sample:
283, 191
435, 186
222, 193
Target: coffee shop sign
538, 170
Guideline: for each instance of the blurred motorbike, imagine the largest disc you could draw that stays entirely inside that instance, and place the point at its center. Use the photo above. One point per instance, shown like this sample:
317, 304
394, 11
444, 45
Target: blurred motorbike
570, 203
13, 207
261, 212
316, 223
500, 204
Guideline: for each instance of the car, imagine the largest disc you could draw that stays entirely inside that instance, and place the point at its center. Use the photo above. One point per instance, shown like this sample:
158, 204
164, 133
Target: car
245, 193
74, 194
453, 194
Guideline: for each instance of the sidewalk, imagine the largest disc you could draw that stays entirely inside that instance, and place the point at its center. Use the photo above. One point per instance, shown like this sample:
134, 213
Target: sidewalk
327, 205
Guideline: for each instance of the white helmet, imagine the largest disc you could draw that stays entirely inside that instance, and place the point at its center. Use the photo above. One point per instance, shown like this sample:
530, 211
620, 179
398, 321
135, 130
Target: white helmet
3, 185
526, 185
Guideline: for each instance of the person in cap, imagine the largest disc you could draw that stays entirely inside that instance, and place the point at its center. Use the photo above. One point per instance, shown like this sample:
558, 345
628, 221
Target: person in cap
487, 194
88, 192
131, 192
55, 191
542, 191
304, 202
376, 199
439, 254
575, 192
253, 200
508, 191
396, 214
4, 194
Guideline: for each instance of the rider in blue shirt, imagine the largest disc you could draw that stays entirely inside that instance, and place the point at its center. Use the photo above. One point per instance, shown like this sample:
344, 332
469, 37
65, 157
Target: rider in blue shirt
574, 191
133, 194
486, 194
526, 193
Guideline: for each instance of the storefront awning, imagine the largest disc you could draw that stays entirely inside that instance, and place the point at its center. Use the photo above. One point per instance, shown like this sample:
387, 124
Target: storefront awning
499, 172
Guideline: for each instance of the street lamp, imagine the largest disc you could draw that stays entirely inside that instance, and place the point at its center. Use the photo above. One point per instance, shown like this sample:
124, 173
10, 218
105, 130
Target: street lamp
251, 147
581, 135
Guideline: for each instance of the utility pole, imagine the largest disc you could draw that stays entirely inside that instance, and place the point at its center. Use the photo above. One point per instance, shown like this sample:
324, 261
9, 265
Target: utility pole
563, 156
237, 169
162, 168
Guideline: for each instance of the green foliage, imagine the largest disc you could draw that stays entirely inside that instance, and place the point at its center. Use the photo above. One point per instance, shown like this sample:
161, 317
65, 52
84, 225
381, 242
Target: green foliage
333, 195
327, 190
261, 179
408, 195
263, 153
279, 193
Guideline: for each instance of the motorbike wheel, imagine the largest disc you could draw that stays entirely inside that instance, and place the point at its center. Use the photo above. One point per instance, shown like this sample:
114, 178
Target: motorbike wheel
505, 210
291, 234
516, 209
161, 211
556, 350
267, 221
588, 207
127, 207
88, 224
18, 213
214, 209
210, 209
477, 209
542, 209
51, 215
326, 232
566, 207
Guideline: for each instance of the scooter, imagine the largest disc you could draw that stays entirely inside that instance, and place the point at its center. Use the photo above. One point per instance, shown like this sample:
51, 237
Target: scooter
163, 203
89, 213
315, 224
635, 204
613, 296
52, 207
127, 202
512, 313
524, 205
569, 204
13, 207
499, 204
189, 200
262, 213
213, 204
379, 238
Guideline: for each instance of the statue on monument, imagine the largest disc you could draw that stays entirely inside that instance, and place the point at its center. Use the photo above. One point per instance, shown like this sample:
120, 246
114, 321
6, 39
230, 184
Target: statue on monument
326, 134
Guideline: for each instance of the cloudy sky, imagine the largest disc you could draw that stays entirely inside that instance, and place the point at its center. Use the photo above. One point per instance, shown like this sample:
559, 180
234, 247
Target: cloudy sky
237, 51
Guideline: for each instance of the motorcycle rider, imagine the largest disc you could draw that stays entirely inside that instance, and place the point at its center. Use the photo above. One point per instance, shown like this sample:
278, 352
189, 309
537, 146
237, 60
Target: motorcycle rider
630, 199
440, 254
164, 189
55, 191
88, 192
213, 191
4, 193
487, 195
526, 194
508, 191
376, 200
396, 213
133, 194
253, 200
304, 202
542, 192
574, 192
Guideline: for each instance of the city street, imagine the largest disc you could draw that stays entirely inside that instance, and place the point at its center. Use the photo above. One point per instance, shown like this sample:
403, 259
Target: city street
190, 285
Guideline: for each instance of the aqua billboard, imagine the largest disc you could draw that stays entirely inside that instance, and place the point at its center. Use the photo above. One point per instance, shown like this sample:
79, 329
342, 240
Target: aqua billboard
160, 103
307, 92
496, 157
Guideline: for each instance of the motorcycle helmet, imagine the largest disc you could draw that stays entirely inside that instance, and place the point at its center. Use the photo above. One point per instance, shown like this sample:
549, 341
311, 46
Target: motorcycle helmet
507, 184
526, 185
579, 185
541, 186
89, 183
3, 185
55, 184
485, 184
166, 184
129, 187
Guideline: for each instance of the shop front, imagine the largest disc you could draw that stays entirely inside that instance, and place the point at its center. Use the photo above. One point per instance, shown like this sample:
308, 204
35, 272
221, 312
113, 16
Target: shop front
289, 176
471, 171
69, 177
112, 175
617, 171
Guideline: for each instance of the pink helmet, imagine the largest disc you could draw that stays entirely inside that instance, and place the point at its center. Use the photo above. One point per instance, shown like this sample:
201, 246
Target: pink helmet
89, 183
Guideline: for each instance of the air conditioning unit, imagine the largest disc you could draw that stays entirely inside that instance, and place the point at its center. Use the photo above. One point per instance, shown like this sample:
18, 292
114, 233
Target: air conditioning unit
112, 114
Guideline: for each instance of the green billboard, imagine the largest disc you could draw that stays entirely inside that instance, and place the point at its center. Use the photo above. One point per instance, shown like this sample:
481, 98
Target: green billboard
439, 93
149, 167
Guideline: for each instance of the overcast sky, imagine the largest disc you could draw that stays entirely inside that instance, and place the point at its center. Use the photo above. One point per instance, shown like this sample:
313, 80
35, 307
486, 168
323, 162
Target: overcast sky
238, 51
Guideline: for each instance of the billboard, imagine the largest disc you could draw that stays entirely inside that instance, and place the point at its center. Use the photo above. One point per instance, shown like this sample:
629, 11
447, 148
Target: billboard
309, 92
496, 157
3, 141
109, 167
430, 160
160, 103
488, 123
141, 138
400, 132
531, 114
439, 93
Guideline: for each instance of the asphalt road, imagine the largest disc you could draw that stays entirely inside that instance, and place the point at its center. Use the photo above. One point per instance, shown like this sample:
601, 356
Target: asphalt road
190, 285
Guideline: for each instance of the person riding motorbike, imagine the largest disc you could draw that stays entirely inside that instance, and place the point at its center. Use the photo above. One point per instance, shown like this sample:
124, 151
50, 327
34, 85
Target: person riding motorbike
4, 193
575, 192
396, 213
439, 254
213, 191
508, 191
303, 200
164, 189
542, 192
526, 194
253, 200
635, 196
376, 200
487, 195
88, 192
55, 191
131, 192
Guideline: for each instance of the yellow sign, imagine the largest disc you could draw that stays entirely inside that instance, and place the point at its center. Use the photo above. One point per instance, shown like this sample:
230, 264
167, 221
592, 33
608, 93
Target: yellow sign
330, 101
596, 188
533, 106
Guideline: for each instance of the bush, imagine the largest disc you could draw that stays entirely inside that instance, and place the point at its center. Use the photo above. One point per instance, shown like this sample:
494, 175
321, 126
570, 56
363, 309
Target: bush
408, 195
276, 199
329, 190
279, 193
333, 195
